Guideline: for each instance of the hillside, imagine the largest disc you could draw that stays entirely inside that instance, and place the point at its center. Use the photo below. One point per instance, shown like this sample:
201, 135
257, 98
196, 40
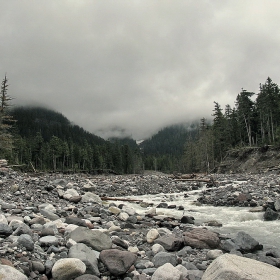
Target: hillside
31, 120
46, 140
251, 160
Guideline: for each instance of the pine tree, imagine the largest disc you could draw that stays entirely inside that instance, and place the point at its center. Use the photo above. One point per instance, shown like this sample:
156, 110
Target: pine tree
6, 121
268, 108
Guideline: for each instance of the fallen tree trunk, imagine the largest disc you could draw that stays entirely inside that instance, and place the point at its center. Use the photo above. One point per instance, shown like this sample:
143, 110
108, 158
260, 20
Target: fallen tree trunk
120, 199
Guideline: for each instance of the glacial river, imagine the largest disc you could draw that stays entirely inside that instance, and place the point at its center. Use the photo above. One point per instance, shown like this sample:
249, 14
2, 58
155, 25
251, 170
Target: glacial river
233, 219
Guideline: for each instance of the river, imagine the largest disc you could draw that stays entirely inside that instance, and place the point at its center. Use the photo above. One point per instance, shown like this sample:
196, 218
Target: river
233, 219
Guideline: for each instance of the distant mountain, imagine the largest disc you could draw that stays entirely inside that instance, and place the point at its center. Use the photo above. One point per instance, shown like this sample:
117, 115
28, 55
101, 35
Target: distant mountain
164, 150
169, 140
30, 120
125, 141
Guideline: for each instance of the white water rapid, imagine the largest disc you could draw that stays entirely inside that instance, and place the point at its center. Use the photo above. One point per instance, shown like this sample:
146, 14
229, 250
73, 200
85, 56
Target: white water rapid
233, 219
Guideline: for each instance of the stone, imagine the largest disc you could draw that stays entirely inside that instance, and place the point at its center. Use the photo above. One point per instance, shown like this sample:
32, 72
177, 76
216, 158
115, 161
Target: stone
270, 215
49, 214
23, 229
5, 230
246, 243
213, 254
87, 277
91, 197
129, 210
118, 262
87, 256
70, 193
68, 268
156, 248
184, 270
26, 241
89, 187
38, 266
114, 210
119, 242
162, 258
75, 221
75, 198
201, 238
48, 207
277, 205
48, 240
8, 273
123, 216
152, 235
95, 239
187, 220
167, 272
230, 266
170, 242
3, 219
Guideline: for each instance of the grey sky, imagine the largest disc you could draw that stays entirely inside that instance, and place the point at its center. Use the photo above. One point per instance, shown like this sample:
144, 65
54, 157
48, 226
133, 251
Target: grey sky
137, 65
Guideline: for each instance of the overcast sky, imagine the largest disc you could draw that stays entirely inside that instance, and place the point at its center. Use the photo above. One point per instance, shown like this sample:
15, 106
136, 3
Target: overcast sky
137, 65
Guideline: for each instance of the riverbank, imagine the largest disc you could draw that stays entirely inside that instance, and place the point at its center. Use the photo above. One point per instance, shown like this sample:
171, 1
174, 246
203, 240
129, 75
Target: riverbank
53, 222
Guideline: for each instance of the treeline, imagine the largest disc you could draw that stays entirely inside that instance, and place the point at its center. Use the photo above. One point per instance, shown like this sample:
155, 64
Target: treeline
163, 151
45, 140
253, 121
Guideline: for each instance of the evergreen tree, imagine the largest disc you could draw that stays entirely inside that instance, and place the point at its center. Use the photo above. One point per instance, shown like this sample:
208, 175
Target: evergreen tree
245, 112
6, 121
268, 108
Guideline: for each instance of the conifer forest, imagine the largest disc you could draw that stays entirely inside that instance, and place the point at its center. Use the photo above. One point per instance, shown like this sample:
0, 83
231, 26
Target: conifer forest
40, 139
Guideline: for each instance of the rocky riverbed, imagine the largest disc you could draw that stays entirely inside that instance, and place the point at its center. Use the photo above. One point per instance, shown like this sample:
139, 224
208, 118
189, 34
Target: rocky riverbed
55, 226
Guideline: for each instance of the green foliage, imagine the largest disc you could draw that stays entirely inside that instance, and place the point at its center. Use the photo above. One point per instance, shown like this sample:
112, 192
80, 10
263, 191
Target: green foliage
250, 123
46, 140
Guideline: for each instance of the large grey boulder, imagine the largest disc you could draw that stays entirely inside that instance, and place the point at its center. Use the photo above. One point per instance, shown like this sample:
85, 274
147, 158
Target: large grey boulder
246, 243
230, 266
95, 239
87, 256
8, 273
118, 262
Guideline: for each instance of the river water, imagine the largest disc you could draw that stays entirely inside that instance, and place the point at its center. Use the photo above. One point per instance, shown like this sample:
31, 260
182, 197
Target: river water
233, 219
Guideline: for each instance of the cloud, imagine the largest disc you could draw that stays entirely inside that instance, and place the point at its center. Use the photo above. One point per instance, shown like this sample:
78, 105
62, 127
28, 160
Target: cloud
132, 67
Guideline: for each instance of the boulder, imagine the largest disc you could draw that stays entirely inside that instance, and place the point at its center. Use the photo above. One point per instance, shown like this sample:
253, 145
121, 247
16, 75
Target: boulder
68, 268
87, 256
95, 239
26, 241
230, 266
8, 273
5, 230
170, 242
118, 262
162, 258
246, 243
187, 220
69, 193
152, 235
91, 197
270, 215
201, 238
167, 272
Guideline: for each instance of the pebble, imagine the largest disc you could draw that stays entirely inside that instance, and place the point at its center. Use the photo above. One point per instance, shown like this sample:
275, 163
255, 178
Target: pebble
59, 227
